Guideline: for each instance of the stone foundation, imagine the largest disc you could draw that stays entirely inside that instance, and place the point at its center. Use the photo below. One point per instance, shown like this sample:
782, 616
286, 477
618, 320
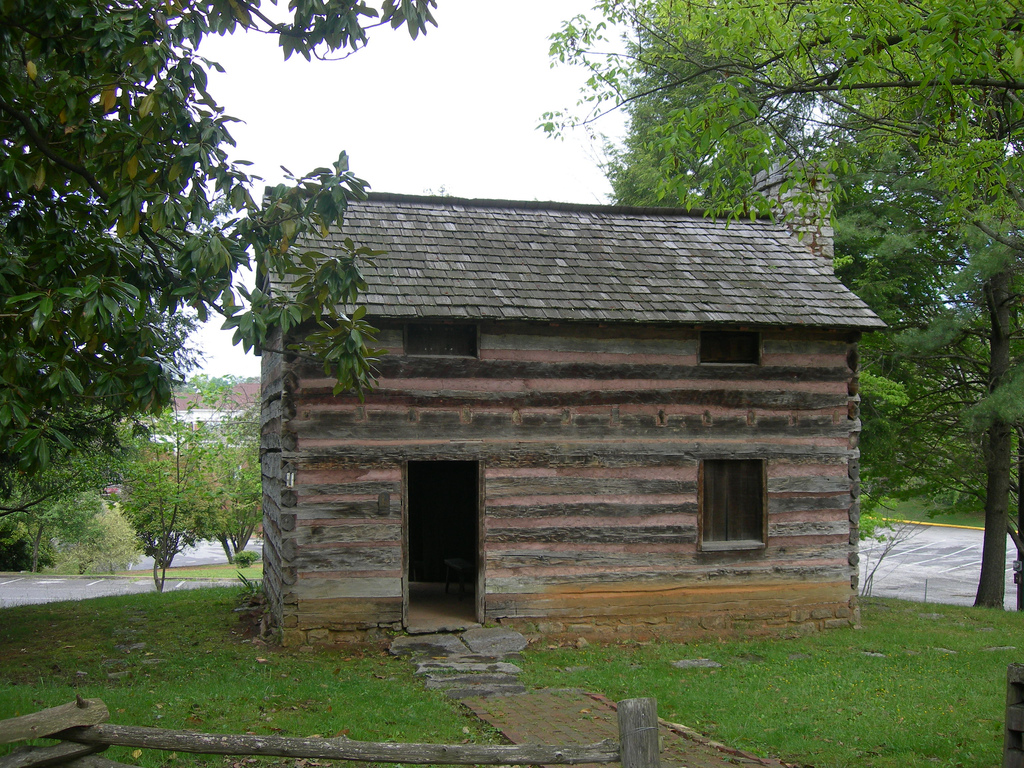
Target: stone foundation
782, 623
776, 623
296, 636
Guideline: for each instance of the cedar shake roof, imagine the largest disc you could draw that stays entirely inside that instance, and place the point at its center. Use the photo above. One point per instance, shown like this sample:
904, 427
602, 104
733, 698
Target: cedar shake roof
493, 259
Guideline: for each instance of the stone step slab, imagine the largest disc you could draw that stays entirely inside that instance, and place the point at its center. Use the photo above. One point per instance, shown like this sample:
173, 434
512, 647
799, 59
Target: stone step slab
448, 681
496, 641
434, 665
485, 690
428, 645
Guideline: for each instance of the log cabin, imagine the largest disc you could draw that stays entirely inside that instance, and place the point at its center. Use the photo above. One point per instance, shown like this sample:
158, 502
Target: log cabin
591, 421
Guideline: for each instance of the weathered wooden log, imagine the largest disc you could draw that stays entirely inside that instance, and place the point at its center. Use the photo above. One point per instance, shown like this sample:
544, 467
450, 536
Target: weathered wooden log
467, 368
551, 425
558, 454
680, 565
341, 557
680, 395
638, 733
95, 761
624, 534
629, 508
343, 749
374, 488
585, 485
39, 724
40, 757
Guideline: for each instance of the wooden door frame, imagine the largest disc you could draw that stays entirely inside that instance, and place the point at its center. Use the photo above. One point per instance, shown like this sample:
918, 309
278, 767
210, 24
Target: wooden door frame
480, 532
481, 550
405, 544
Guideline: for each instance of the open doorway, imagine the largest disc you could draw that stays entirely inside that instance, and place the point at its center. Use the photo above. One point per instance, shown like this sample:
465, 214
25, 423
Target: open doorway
442, 529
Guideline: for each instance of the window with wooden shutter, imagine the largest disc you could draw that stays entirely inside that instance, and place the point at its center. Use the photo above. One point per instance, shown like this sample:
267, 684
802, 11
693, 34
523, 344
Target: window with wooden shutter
440, 339
732, 504
730, 347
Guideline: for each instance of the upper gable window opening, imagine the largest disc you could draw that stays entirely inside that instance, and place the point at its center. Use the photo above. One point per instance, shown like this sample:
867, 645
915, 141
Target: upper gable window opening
441, 339
730, 347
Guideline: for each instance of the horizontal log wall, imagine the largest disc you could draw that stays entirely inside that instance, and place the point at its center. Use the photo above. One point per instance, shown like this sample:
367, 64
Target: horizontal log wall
589, 440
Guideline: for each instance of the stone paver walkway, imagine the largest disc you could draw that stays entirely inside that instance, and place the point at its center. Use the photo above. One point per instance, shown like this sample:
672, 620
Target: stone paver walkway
479, 669
563, 717
479, 663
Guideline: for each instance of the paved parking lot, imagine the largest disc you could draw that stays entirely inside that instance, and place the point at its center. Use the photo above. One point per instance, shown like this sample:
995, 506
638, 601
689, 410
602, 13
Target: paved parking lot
27, 589
931, 564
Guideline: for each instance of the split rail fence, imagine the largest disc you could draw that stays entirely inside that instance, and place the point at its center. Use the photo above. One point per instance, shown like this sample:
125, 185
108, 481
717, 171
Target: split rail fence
82, 731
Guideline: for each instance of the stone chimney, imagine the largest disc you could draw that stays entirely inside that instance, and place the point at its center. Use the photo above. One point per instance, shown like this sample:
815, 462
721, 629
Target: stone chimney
809, 221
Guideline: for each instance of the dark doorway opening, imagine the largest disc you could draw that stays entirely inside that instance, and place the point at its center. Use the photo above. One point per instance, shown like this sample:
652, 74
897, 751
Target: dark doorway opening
443, 541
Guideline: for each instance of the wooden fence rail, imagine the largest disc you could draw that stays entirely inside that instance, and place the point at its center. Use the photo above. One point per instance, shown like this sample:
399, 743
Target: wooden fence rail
80, 727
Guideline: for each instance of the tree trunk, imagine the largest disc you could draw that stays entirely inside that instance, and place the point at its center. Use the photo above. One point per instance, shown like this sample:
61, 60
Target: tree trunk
158, 578
35, 548
998, 449
992, 584
226, 544
241, 538
1020, 515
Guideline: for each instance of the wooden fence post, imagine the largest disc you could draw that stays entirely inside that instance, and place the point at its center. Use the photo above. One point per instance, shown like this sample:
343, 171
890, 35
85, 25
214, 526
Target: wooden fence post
39, 724
1013, 746
638, 733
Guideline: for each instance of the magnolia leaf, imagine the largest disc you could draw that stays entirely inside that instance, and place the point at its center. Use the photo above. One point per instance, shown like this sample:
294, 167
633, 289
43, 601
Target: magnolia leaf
108, 98
146, 104
30, 68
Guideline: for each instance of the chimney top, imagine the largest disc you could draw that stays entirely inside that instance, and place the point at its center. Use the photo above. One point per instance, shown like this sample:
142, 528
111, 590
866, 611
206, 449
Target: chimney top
805, 207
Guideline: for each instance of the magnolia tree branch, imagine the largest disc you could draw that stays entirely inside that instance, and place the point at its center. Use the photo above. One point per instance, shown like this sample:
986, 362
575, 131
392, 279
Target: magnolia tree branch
44, 147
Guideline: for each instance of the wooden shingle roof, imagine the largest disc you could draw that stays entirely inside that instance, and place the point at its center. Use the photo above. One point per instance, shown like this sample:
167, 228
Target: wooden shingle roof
485, 259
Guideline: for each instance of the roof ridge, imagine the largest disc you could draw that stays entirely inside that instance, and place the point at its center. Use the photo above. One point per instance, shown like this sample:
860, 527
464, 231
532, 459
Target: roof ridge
550, 205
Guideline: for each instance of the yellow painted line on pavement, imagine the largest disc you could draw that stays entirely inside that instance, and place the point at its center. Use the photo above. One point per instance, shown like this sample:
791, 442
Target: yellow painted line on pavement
934, 525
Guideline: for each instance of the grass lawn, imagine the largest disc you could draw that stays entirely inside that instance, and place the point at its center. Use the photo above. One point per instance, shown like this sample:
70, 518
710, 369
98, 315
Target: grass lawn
923, 512
198, 671
219, 571
917, 685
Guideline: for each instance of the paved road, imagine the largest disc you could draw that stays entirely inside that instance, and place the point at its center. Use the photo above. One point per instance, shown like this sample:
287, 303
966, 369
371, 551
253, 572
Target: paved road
932, 564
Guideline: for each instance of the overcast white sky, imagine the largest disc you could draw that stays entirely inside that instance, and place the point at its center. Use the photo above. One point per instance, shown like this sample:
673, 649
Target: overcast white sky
455, 110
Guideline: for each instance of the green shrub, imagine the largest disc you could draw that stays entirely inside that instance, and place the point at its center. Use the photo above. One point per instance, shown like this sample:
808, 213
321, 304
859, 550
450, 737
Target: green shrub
245, 558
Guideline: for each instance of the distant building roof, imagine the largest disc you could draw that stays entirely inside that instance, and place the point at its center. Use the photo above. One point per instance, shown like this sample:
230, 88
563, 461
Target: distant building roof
241, 396
494, 259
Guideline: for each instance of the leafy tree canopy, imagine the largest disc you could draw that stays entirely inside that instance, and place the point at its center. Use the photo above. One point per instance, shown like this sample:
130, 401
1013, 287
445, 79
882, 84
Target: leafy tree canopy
232, 462
945, 76
166, 494
109, 545
119, 205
